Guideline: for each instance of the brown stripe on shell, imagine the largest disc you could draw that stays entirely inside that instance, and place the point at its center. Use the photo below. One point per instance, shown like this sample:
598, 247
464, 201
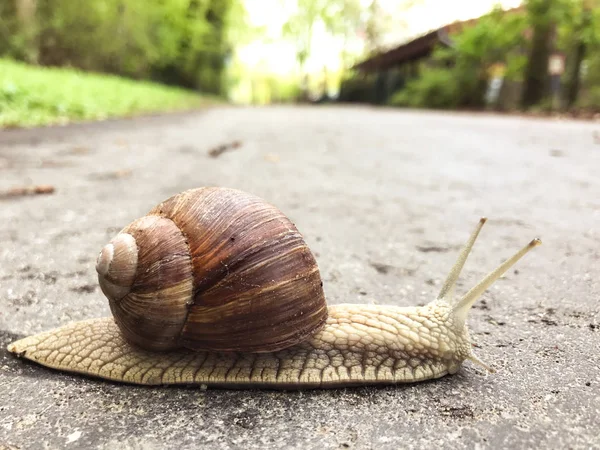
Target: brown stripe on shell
154, 320
153, 314
257, 286
256, 326
163, 254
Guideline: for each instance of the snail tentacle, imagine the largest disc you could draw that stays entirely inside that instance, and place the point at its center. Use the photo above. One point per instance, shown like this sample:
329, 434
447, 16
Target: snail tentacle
462, 306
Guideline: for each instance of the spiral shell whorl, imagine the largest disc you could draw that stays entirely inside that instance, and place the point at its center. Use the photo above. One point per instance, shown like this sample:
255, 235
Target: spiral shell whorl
116, 266
153, 311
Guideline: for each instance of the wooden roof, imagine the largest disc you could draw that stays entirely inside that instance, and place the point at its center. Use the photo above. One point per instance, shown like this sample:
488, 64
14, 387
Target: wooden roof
415, 49
418, 48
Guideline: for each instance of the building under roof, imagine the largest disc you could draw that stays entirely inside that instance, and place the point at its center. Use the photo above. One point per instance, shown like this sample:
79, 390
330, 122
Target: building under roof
416, 49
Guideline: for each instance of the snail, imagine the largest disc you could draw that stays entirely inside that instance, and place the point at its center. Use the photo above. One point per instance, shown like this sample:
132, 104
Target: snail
217, 287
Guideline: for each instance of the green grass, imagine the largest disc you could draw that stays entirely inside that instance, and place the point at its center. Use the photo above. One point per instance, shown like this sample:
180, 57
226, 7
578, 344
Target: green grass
35, 96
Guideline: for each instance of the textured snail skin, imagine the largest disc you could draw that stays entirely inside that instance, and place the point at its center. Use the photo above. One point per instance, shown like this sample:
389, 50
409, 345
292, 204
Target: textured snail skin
359, 345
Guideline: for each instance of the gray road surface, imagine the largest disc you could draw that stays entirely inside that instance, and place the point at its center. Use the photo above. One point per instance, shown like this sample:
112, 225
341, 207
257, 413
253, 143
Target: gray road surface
385, 199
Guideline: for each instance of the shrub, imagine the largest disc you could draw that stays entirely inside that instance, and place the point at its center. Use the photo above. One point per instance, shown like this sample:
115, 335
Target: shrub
357, 89
436, 88
183, 42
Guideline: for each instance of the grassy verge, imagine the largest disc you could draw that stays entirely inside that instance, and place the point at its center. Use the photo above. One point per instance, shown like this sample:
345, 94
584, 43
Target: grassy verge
34, 96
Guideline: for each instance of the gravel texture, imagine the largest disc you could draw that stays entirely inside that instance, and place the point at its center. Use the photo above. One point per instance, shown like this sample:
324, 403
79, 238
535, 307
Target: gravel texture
385, 199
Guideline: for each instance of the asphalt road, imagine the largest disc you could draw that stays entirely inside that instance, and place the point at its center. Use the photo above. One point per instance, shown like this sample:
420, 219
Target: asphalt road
385, 199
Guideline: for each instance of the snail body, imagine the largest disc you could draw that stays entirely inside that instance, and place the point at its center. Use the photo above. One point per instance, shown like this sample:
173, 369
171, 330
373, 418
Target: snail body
217, 287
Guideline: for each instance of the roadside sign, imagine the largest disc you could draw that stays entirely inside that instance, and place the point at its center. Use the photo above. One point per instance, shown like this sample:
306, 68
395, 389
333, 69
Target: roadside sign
497, 70
556, 64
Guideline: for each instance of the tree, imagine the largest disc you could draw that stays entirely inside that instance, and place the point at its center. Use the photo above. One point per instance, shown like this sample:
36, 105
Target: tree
301, 23
578, 32
570, 26
541, 15
352, 16
377, 23
183, 42
340, 18
348, 17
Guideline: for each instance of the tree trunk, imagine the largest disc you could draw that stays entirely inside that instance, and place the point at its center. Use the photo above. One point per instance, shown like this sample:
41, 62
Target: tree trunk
536, 73
26, 27
26, 11
572, 83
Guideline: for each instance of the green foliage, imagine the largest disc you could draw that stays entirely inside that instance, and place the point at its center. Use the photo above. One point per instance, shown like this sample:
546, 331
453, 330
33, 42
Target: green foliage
590, 85
576, 21
340, 18
536, 79
592, 72
463, 69
283, 90
436, 88
357, 89
182, 42
270, 89
39, 96
497, 37
378, 23
300, 25
578, 36
12, 41
591, 101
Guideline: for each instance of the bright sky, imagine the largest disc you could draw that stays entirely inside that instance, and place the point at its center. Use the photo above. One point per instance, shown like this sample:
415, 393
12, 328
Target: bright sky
279, 57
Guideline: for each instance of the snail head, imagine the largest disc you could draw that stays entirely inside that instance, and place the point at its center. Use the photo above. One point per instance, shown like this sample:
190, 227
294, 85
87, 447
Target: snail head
461, 306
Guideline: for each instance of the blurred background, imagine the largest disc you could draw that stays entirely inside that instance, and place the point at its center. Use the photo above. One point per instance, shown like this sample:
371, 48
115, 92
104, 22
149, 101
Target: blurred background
64, 60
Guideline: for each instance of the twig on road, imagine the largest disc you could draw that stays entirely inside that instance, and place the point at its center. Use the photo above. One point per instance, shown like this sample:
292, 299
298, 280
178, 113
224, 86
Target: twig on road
220, 149
22, 191
113, 175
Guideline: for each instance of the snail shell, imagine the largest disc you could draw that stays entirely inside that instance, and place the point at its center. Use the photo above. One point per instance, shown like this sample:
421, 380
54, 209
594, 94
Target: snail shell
212, 269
